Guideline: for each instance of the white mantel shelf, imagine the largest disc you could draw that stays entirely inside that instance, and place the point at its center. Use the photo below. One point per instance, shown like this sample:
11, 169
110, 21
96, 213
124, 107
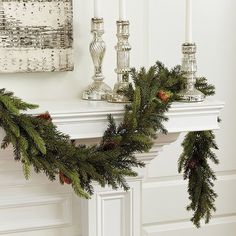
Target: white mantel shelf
85, 120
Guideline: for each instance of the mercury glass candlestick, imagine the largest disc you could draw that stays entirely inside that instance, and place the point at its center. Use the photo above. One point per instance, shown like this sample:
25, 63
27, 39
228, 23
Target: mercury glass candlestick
123, 63
98, 90
189, 66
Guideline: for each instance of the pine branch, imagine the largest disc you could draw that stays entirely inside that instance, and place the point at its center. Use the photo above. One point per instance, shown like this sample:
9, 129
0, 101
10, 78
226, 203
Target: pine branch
14, 104
194, 164
204, 87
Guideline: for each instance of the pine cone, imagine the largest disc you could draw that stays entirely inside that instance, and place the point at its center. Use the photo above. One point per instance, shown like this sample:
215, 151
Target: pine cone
193, 164
45, 116
164, 96
64, 179
109, 146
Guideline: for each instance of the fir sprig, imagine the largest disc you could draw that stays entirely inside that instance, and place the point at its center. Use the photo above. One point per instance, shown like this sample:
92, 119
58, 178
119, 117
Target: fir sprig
198, 149
204, 87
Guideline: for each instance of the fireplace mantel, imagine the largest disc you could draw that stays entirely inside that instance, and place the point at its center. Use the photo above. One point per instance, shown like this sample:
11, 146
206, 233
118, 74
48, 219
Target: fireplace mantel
84, 120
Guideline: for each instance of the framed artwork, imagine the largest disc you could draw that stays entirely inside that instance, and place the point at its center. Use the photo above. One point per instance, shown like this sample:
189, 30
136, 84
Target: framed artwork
36, 36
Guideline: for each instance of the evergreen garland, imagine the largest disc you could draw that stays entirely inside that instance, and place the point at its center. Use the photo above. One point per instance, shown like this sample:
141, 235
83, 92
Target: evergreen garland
37, 142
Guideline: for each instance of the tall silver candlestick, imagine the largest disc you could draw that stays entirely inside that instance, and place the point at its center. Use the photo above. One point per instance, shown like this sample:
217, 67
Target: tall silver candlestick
189, 66
98, 90
123, 63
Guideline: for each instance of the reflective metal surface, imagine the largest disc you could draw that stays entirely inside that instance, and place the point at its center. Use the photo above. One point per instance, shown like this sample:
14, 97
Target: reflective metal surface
189, 65
123, 63
98, 90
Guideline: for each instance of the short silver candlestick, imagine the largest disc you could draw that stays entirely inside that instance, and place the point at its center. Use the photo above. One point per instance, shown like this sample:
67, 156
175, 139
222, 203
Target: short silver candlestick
98, 90
123, 63
189, 66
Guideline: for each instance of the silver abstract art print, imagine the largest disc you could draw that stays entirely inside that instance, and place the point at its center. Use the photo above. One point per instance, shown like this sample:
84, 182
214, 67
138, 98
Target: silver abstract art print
36, 35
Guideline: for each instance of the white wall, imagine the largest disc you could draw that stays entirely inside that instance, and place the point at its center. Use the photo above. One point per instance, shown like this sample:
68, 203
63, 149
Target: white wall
214, 32
157, 32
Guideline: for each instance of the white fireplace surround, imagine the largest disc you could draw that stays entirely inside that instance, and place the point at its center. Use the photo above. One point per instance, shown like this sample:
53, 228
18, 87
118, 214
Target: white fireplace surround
38, 206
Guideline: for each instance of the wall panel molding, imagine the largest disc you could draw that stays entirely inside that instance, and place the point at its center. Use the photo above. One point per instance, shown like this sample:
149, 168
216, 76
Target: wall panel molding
35, 213
184, 227
172, 189
115, 213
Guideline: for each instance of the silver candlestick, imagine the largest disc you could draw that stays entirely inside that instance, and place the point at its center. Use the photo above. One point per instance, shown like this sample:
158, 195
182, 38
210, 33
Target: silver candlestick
189, 66
123, 63
98, 90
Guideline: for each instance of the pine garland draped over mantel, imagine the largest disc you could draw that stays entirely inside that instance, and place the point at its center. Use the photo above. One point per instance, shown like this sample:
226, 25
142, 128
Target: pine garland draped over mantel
37, 142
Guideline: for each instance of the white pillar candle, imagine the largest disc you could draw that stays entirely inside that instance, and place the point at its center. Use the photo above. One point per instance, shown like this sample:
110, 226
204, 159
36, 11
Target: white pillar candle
122, 10
97, 13
188, 30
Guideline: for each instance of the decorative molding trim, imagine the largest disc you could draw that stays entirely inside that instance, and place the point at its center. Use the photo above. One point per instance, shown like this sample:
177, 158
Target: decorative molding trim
95, 215
85, 120
126, 211
165, 188
61, 220
162, 141
175, 180
156, 229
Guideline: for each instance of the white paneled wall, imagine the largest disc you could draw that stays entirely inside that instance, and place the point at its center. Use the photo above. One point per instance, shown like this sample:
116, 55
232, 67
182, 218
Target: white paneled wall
27, 208
37, 208
214, 22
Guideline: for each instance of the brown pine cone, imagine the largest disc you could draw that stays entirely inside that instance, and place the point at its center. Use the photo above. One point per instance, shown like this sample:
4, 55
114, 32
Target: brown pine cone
164, 96
45, 116
64, 179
